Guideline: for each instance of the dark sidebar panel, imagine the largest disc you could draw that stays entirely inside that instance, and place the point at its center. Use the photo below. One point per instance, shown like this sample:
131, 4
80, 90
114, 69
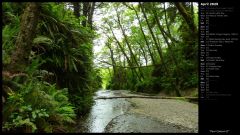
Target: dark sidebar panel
219, 59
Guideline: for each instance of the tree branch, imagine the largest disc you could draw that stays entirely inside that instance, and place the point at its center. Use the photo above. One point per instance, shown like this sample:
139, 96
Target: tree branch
128, 66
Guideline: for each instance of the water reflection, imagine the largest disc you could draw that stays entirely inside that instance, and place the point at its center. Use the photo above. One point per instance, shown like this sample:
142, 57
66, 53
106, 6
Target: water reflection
103, 111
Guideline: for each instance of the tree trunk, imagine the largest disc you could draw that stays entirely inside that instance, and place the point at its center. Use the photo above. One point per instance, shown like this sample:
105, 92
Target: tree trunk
165, 13
154, 38
128, 44
112, 58
145, 38
187, 17
76, 9
192, 11
85, 13
90, 15
122, 50
143, 52
168, 33
28, 25
170, 50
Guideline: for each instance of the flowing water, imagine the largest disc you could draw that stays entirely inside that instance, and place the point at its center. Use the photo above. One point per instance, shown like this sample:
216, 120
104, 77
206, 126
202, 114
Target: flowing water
103, 111
112, 115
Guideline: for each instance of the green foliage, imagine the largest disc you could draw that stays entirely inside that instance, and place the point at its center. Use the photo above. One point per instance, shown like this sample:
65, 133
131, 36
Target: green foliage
11, 27
191, 82
105, 77
145, 86
96, 76
172, 57
25, 117
60, 79
9, 33
67, 48
37, 102
166, 83
44, 40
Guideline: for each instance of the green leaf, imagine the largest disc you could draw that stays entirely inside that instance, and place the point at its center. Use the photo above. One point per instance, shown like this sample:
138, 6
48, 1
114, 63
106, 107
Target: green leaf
74, 65
34, 115
43, 40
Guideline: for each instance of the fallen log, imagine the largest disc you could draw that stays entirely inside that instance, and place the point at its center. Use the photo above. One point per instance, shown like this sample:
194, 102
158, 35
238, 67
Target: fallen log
151, 97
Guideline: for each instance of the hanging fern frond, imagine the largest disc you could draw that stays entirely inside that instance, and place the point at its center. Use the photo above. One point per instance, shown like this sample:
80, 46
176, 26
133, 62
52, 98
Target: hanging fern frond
43, 40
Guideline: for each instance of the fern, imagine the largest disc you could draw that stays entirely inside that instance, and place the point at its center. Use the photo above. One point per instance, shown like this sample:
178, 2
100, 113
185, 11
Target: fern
43, 40
60, 35
36, 102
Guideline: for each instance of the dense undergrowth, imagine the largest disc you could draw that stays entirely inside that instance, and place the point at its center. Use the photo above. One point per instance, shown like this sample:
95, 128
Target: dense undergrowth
58, 84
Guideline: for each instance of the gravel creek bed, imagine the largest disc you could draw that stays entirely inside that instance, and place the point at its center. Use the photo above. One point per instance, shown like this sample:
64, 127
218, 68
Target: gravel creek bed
140, 115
